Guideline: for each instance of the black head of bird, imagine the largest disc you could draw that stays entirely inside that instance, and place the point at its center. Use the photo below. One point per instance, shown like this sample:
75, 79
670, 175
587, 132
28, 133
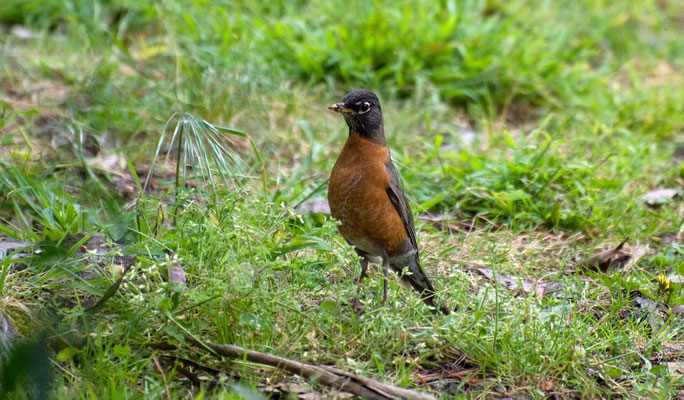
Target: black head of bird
362, 113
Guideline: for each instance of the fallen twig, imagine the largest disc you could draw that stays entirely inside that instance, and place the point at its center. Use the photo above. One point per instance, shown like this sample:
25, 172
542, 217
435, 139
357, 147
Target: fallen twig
332, 377
192, 370
163, 375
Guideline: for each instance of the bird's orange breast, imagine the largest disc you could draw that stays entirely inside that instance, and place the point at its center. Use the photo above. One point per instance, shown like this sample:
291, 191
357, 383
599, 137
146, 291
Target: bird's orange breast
358, 198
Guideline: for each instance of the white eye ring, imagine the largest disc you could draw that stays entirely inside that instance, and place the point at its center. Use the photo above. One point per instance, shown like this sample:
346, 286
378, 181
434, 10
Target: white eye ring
366, 108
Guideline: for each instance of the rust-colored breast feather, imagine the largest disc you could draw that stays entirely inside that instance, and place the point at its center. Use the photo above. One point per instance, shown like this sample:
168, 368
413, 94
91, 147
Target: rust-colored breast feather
358, 198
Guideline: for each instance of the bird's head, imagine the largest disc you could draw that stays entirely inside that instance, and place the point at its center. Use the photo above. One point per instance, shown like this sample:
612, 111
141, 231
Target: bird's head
362, 113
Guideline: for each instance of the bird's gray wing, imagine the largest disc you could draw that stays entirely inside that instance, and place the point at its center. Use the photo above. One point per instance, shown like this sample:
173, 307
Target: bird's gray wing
401, 204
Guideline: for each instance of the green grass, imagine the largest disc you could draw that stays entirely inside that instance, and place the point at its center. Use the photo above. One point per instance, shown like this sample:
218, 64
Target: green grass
535, 127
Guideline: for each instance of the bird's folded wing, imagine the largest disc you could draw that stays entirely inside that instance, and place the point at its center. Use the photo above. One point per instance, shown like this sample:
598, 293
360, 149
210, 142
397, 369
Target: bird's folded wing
398, 198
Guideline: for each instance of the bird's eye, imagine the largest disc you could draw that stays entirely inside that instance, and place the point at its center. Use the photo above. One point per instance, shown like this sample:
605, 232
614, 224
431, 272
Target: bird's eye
365, 107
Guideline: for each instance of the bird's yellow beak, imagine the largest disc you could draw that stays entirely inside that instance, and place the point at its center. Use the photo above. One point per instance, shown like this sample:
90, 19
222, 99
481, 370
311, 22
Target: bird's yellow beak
340, 108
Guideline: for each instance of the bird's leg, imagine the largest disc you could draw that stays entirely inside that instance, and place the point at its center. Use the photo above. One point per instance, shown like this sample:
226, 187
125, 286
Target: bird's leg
364, 269
385, 280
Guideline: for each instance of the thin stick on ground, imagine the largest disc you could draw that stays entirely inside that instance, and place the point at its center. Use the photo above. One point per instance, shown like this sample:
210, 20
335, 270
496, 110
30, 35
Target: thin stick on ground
332, 377
161, 371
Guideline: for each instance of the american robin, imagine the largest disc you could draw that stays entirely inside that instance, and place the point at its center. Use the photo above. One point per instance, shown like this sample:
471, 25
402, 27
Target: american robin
366, 196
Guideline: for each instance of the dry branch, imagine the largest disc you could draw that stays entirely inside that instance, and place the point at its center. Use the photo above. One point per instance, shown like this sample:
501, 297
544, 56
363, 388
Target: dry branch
344, 381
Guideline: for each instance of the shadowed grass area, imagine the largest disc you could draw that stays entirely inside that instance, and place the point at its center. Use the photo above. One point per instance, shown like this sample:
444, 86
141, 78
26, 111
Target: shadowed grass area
531, 128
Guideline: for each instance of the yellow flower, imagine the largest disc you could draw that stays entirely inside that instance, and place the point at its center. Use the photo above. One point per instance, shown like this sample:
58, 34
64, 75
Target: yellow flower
663, 281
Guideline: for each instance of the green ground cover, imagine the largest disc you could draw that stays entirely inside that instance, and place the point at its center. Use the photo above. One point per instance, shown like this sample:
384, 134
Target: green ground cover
526, 133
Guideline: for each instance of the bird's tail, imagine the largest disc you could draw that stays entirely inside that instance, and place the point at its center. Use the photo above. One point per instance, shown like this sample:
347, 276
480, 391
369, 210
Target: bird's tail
419, 281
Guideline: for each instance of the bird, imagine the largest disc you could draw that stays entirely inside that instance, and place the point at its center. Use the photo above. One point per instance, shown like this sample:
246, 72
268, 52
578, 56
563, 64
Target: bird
366, 197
